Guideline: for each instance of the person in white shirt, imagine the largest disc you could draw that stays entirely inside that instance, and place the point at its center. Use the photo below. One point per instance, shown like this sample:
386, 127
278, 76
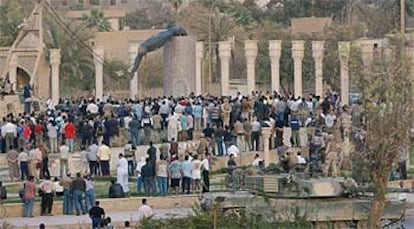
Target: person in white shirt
205, 166
122, 172
9, 133
330, 119
49, 104
233, 150
256, 160
301, 159
139, 177
144, 210
57, 187
196, 178
92, 108
64, 159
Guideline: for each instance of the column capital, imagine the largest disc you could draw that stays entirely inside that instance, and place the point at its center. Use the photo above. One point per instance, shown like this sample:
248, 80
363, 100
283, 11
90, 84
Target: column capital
250, 47
298, 49
55, 56
199, 50
275, 48
98, 54
317, 49
224, 49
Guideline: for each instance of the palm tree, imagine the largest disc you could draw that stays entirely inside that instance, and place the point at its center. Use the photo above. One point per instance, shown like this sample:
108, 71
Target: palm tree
211, 26
76, 55
97, 20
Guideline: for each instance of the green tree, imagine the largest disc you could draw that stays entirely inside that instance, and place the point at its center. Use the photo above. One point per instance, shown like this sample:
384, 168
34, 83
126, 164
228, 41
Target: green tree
11, 17
76, 52
211, 26
152, 14
97, 20
386, 86
282, 11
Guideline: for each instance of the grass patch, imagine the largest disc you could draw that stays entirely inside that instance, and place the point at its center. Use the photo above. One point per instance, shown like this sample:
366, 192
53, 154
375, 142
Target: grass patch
102, 185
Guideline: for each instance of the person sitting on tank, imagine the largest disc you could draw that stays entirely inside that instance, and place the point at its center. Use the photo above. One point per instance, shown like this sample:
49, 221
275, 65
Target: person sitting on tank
289, 161
256, 160
301, 165
231, 165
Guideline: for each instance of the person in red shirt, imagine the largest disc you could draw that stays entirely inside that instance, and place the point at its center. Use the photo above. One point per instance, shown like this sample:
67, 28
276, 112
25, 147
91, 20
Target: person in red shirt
38, 129
29, 195
70, 134
27, 132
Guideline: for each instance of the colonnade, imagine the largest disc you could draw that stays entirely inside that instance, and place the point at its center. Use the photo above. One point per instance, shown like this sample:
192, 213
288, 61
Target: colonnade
275, 51
251, 51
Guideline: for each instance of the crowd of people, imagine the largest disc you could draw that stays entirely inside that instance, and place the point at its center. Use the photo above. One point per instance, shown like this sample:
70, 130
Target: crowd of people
85, 128
227, 124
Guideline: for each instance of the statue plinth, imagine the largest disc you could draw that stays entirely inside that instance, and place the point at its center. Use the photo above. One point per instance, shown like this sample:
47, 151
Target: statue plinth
179, 66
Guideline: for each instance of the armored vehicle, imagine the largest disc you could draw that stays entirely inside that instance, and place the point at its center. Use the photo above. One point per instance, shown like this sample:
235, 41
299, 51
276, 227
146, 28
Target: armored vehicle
331, 203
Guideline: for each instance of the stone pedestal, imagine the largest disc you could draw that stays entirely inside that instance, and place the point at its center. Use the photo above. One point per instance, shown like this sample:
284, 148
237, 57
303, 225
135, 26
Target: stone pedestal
317, 54
13, 71
133, 86
55, 62
266, 132
225, 54
344, 50
250, 48
198, 66
179, 66
298, 52
98, 59
367, 50
275, 48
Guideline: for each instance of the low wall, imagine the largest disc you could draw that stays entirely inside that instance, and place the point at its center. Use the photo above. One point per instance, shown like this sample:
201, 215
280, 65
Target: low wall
115, 205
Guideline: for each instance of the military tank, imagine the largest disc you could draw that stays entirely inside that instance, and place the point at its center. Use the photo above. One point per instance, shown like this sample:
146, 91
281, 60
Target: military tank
328, 203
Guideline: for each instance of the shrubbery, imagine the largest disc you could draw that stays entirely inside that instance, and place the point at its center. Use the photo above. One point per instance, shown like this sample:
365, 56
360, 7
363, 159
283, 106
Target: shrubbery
204, 220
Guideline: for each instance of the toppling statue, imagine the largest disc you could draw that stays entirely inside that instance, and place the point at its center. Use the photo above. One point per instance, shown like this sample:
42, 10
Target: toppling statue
157, 41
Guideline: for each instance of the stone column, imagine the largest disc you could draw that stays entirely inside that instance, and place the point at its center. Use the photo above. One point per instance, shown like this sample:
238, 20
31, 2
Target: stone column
225, 54
198, 65
133, 83
179, 68
250, 48
13, 71
98, 59
55, 62
344, 50
317, 53
275, 48
266, 132
347, 146
298, 52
